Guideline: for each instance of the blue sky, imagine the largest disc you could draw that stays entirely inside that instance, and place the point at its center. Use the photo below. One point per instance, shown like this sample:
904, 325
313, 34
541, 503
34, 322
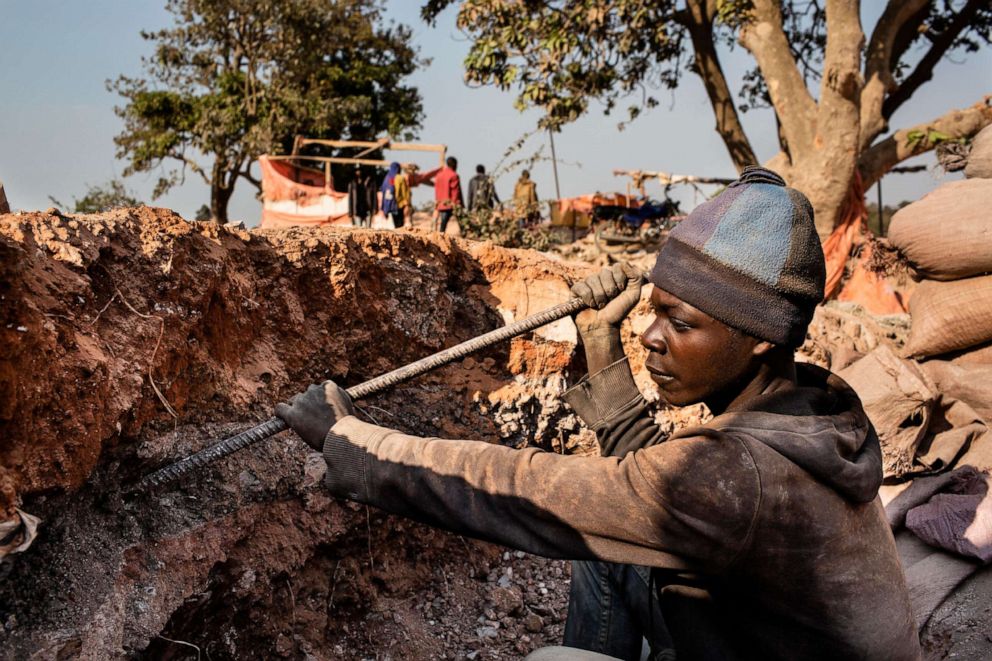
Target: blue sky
57, 122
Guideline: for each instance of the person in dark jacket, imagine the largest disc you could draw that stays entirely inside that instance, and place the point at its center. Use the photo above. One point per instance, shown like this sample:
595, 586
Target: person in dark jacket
362, 198
759, 535
481, 190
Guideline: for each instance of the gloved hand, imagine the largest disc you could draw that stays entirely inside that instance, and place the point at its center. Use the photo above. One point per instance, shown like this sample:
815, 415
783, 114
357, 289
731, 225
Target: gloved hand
311, 414
610, 294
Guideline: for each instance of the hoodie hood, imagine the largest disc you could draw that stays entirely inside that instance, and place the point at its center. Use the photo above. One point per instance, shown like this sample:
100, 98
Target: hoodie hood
821, 427
387, 183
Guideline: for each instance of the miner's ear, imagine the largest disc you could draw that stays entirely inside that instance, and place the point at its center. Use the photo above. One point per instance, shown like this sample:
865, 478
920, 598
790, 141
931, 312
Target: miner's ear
763, 348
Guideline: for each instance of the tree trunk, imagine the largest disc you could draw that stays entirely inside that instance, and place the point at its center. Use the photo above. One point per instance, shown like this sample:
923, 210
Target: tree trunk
698, 19
822, 136
221, 189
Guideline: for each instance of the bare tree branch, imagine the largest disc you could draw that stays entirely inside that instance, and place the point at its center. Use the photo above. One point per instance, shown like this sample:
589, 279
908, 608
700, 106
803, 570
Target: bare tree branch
246, 173
924, 68
879, 61
191, 164
765, 38
906, 143
698, 20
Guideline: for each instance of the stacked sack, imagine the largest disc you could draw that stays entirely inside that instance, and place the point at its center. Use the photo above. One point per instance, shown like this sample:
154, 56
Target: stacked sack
947, 237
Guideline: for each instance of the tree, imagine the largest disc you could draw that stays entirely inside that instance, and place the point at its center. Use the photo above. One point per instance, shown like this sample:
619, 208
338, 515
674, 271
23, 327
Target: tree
234, 79
98, 199
832, 96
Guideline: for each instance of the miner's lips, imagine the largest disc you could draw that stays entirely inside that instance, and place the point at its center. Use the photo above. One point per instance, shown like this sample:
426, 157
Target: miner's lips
657, 374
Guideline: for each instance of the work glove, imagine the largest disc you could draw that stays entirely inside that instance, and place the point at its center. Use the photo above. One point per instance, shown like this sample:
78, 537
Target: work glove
610, 294
311, 414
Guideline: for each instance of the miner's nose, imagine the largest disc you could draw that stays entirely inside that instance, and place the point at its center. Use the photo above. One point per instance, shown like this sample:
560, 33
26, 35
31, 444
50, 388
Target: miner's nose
653, 339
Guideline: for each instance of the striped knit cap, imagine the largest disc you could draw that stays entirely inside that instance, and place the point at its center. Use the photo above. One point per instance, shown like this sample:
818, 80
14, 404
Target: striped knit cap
750, 257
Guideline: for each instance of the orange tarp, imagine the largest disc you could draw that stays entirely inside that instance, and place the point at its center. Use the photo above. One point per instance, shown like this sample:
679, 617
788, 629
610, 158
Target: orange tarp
295, 196
861, 286
577, 211
272, 219
281, 180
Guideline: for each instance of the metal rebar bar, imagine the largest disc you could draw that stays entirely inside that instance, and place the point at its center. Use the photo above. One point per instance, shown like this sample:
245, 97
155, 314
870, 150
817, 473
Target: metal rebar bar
273, 426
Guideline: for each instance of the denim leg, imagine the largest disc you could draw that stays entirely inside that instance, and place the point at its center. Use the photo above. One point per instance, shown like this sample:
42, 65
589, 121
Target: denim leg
610, 609
445, 217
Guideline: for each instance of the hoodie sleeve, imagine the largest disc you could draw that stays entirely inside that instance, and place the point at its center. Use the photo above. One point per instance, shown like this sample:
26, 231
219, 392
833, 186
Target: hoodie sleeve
685, 504
611, 405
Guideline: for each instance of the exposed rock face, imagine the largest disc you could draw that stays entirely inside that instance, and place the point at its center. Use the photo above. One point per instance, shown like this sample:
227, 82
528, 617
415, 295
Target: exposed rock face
135, 337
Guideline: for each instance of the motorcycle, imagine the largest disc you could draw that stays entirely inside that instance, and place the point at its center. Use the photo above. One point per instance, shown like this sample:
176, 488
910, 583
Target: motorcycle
630, 229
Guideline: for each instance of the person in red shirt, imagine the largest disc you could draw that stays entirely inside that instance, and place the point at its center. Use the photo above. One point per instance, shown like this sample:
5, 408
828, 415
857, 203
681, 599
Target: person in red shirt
447, 191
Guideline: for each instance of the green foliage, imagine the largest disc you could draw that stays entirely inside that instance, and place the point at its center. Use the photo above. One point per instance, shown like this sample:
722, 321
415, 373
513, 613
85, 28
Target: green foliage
562, 54
233, 79
917, 139
502, 228
99, 199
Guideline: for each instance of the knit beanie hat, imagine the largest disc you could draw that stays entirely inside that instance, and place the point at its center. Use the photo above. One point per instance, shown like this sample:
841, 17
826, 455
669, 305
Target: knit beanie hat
750, 257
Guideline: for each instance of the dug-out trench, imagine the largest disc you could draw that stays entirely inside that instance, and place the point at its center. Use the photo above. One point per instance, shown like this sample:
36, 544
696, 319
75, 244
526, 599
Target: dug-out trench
135, 337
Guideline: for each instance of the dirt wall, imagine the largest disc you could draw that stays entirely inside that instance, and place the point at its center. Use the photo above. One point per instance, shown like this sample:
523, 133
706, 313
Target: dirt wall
136, 337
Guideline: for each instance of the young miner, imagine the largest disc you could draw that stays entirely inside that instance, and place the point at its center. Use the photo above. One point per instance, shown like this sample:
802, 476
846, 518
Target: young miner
758, 535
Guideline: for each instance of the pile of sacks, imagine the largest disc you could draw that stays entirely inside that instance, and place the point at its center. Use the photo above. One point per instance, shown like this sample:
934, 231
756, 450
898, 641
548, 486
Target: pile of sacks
947, 238
932, 405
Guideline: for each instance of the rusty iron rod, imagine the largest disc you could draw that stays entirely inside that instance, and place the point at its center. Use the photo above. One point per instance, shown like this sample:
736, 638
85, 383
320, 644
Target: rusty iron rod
274, 425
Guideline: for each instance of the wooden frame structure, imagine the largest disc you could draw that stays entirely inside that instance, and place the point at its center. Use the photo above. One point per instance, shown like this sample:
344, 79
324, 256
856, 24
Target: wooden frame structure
366, 147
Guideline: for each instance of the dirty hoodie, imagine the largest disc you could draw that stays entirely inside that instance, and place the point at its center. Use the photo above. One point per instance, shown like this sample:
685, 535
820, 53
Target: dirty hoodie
763, 526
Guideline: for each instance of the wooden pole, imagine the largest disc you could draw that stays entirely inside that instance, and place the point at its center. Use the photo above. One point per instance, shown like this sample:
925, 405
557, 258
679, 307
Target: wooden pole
881, 214
554, 166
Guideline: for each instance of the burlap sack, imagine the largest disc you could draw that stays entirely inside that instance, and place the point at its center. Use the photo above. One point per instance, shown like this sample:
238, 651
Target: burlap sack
947, 234
980, 355
921, 430
980, 157
899, 400
971, 384
950, 316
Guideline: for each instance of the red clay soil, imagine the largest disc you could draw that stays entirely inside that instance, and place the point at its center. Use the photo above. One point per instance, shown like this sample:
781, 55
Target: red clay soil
133, 338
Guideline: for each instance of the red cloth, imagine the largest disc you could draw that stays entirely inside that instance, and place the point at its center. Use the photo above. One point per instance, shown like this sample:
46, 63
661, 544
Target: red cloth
447, 189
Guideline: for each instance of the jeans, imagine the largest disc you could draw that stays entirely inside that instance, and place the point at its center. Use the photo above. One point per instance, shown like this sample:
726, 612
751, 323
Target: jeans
445, 216
397, 217
611, 608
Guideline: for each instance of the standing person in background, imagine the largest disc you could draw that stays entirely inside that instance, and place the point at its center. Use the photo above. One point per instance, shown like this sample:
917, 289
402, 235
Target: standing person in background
404, 199
4, 207
362, 202
525, 199
447, 191
481, 190
389, 205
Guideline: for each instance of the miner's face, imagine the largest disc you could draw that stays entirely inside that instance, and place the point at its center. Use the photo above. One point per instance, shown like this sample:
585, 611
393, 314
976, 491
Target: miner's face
692, 356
